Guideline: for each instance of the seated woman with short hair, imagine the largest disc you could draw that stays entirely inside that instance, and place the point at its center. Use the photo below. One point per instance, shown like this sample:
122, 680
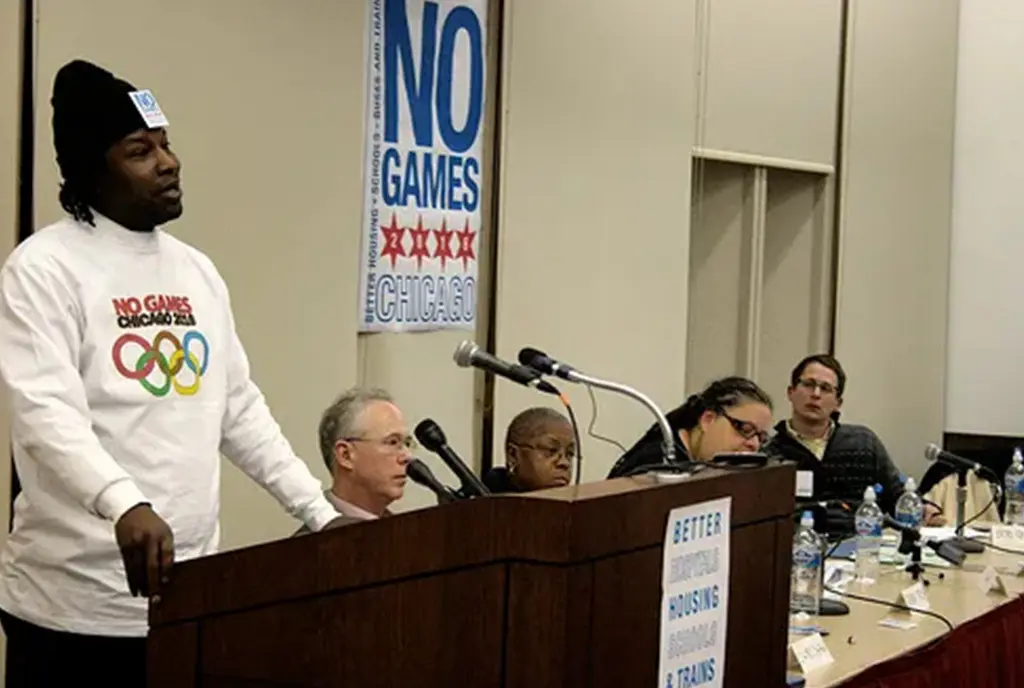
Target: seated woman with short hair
539, 451
731, 415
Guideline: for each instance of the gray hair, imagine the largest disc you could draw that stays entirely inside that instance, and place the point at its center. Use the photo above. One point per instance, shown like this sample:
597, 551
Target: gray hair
529, 422
341, 417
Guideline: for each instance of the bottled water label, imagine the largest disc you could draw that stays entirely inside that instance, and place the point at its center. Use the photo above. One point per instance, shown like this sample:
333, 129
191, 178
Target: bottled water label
806, 558
868, 525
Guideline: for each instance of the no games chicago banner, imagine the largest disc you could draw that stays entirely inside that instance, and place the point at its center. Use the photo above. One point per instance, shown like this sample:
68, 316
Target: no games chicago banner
423, 171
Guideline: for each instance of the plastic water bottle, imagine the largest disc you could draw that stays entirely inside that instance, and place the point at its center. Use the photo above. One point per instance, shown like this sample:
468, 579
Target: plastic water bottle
910, 507
1014, 486
805, 581
868, 524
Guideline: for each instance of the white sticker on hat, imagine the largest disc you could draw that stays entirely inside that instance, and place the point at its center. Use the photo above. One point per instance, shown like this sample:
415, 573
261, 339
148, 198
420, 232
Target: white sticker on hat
150, 110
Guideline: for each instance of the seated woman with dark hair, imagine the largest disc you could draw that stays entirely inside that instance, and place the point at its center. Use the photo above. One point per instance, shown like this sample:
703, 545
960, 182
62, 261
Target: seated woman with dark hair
732, 414
539, 451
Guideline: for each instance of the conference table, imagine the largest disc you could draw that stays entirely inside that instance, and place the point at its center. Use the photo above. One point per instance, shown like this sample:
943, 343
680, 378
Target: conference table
985, 647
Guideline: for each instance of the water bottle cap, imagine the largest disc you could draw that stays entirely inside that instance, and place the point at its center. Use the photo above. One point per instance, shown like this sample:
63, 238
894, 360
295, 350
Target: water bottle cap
910, 485
869, 494
807, 519
878, 488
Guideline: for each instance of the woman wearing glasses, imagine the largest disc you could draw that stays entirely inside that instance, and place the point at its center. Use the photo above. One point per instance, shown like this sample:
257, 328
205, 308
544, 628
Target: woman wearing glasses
539, 453
730, 415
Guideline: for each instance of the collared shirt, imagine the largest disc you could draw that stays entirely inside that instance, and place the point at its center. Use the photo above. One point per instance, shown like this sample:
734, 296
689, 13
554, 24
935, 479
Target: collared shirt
348, 508
815, 445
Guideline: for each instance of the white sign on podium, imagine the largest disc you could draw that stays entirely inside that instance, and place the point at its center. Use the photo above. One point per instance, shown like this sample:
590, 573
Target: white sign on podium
695, 596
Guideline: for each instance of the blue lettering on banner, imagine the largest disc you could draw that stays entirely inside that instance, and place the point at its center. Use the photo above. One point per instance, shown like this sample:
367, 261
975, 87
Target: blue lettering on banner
424, 299
692, 602
696, 527
422, 166
691, 675
435, 62
430, 180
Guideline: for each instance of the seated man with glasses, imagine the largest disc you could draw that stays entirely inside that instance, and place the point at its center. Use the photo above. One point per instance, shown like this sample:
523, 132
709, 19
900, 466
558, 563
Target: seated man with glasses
539, 453
835, 461
366, 445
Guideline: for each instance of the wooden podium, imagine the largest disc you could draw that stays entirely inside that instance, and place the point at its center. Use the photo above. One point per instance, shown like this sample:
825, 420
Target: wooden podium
555, 588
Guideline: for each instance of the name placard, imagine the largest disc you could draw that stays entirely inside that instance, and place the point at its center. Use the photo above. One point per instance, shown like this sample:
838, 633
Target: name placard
1008, 537
914, 597
695, 595
808, 654
992, 583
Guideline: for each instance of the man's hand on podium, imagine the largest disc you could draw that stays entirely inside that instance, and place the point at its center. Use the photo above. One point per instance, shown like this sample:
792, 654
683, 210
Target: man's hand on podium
147, 547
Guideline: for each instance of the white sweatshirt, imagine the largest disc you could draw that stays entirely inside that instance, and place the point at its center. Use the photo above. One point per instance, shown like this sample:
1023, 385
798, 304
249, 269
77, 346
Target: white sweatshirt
128, 381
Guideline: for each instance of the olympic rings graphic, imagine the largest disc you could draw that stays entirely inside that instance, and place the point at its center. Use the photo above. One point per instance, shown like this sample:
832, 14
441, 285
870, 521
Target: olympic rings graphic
152, 356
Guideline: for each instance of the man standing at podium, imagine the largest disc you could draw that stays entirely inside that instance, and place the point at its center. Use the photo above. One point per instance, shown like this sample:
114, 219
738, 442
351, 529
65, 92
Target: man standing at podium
127, 379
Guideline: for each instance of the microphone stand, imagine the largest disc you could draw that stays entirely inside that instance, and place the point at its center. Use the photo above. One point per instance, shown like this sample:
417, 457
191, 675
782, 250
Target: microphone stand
910, 545
965, 544
668, 446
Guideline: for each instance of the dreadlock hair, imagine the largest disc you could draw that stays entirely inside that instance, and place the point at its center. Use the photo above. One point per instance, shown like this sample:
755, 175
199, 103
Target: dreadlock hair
718, 396
74, 203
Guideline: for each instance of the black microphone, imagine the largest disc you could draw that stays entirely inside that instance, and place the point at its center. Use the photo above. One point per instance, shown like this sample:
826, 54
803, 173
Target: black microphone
934, 453
421, 474
469, 354
538, 360
432, 437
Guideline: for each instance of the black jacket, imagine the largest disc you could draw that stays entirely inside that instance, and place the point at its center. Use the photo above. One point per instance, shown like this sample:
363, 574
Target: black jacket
498, 481
647, 452
854, 458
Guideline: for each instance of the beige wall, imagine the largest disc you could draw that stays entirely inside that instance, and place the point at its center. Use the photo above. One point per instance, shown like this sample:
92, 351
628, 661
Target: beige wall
894, 229
984, 376
770, 79
596, 258
594, 231
10, 112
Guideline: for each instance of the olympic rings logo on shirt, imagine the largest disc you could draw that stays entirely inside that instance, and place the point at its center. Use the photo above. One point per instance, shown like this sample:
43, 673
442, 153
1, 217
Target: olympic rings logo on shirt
152, 357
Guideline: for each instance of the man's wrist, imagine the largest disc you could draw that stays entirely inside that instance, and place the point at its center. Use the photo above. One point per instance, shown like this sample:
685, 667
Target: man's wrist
118, 499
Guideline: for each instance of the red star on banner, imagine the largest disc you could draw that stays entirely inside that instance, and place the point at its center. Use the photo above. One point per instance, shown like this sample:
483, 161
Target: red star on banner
393, 235
419, 243
466, 252
443, 243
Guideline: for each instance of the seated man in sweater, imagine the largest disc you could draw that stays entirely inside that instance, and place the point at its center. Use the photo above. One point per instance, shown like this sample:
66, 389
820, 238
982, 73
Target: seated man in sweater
366, 445
835, 461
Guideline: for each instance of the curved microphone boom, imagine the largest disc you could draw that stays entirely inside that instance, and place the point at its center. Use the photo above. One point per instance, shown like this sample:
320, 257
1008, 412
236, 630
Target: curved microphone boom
421, 474
538, 360
469, 354
432, 437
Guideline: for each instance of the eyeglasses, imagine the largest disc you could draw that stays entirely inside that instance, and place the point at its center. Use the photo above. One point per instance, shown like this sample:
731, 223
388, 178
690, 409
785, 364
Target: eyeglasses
746, 429
391, 442
551, 451
811, 385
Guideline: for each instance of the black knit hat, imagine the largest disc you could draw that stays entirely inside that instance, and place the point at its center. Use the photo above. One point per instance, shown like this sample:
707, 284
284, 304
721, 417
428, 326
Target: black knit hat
92, 110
